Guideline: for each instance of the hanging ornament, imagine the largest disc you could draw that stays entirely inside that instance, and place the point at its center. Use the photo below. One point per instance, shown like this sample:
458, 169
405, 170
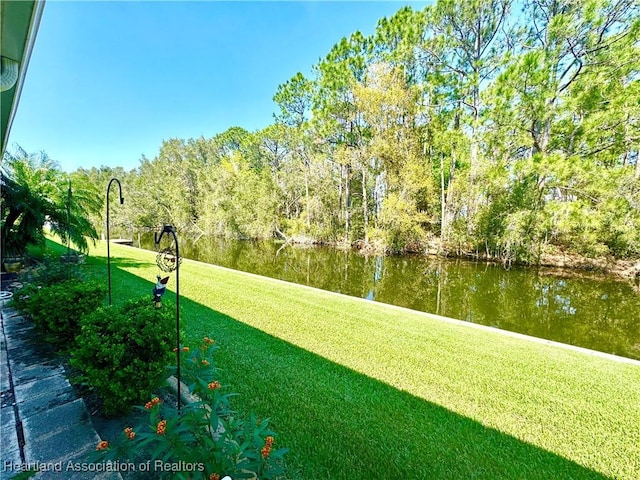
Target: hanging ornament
158, 290
167, 260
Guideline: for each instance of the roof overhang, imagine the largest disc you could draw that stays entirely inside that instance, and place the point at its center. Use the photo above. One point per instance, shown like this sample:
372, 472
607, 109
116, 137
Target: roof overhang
19, 21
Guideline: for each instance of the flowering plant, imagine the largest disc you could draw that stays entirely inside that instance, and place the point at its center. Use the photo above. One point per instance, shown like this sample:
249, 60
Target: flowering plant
206, 438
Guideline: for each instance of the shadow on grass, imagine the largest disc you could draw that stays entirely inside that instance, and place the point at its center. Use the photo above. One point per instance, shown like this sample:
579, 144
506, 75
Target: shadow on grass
341, 424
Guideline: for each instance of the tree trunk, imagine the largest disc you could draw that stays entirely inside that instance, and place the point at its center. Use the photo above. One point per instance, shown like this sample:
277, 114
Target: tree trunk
347, 202
306, 194
364, 203
14, 214
340, 195
449, 198
443, 201
473, 161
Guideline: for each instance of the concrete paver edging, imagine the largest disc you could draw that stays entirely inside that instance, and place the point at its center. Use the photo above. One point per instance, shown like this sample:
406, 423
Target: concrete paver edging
45, 425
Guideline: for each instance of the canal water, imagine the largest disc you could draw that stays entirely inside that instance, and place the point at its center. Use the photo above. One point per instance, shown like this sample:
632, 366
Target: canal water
592, 311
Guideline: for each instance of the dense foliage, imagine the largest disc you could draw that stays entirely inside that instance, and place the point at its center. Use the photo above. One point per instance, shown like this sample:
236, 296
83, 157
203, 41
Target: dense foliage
56, 309
50, 271
36, 192
463, 125
122, 353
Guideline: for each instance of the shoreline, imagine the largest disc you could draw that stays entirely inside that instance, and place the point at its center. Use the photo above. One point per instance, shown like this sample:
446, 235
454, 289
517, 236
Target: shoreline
567, 264
558, 263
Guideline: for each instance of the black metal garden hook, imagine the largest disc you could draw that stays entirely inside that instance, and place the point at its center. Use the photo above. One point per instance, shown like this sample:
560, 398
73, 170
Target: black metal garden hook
174, 265
108, 239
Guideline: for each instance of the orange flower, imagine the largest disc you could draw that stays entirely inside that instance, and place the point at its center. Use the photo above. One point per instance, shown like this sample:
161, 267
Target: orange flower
205, 363
103, 445
214, 476
130, 433
214, 385
185, 349
162, 426
152, 403
175, 349
266, 450
208, 340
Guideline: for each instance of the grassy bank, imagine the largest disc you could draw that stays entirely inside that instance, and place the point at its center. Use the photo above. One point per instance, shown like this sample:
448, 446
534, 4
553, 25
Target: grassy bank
359, 390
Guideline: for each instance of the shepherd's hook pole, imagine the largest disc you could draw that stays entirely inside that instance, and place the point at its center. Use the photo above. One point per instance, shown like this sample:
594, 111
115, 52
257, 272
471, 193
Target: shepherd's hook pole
170, 229
108, 240
69, 221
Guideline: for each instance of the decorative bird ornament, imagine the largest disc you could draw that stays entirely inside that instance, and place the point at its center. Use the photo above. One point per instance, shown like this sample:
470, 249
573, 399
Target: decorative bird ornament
158, 290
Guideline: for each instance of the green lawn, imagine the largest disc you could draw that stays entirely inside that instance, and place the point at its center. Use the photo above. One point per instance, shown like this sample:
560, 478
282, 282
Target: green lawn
359, 390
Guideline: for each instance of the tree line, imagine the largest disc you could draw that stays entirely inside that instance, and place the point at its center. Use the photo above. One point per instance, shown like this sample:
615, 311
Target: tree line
464, 127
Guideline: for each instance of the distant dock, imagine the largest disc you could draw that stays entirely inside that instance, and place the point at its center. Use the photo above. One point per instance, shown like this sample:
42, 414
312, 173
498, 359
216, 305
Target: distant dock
122, 241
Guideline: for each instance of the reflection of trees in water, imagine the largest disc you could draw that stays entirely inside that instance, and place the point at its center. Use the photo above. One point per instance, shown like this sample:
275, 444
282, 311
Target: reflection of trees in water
594, 312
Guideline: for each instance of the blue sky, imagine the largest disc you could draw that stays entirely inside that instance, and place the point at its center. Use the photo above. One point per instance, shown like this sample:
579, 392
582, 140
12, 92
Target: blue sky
108, 81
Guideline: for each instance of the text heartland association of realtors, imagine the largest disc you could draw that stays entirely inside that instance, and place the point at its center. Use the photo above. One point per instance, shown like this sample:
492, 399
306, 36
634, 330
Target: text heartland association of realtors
70, 466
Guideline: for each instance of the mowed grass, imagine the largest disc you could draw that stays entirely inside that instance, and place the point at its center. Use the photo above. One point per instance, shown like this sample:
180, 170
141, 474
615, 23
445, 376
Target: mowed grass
359, 390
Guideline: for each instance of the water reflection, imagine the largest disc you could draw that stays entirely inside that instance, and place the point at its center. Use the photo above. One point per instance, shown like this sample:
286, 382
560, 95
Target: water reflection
594, 312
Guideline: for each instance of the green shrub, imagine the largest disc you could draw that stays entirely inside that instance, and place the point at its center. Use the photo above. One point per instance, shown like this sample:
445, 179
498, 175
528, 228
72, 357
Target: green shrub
122, 353
52, 271
24, 297
49, 272
57, 309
